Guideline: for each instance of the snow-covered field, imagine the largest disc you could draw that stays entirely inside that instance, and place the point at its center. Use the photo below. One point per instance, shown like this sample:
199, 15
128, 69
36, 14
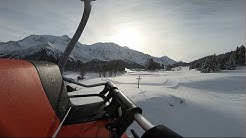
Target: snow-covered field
191, 103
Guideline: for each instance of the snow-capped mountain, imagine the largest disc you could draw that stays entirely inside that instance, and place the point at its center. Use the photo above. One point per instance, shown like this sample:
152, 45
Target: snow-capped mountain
35, 46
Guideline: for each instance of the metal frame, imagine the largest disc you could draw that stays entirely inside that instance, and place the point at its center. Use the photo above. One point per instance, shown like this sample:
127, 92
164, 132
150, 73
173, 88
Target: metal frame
87, 10
129, 110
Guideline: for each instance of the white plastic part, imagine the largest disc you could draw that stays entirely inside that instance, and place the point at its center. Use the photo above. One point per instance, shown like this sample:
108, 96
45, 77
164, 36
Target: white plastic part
59, 127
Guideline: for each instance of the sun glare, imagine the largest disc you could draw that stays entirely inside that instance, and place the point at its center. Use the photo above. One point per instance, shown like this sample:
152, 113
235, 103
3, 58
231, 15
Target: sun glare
128, 37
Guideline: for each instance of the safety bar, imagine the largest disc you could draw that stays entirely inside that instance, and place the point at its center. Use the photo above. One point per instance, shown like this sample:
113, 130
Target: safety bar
142, 121
81, 84
87, 95
122, 99
132, 111
135, 113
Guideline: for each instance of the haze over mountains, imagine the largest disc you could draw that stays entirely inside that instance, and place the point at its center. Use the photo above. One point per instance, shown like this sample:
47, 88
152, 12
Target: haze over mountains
40, 47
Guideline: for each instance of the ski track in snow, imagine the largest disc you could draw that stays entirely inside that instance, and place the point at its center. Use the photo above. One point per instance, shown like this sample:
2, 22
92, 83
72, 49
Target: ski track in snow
189, 102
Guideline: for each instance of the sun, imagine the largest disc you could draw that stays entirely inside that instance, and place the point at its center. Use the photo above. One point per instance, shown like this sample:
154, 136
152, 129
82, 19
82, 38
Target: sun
130, 37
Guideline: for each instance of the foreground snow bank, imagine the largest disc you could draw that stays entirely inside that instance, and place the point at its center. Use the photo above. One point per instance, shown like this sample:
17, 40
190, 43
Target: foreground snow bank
189, 102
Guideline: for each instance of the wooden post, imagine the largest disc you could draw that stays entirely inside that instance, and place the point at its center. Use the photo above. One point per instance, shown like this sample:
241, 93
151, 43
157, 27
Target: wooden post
138, 80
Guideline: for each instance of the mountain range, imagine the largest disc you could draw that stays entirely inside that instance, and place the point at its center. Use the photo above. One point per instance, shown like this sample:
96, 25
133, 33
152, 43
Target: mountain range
39, 47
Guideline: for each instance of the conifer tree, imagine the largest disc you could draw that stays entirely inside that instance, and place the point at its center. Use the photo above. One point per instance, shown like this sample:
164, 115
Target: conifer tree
231, 64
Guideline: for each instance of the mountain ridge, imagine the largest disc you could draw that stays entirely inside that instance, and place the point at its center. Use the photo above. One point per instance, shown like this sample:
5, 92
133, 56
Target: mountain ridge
55, 45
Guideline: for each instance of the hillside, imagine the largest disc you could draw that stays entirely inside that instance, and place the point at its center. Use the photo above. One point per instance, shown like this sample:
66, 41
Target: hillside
50, 48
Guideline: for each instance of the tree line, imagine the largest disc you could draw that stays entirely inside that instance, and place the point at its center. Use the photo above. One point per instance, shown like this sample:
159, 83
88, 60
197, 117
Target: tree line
110, 68
224, 61
103, 68
152, 65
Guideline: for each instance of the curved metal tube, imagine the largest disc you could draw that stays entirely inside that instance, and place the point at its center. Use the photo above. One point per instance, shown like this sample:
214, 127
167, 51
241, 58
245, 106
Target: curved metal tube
63, 60
142, 121
86, 95
81, 84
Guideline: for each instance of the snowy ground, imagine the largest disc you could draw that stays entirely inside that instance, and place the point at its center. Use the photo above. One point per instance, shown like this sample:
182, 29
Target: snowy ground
189, 102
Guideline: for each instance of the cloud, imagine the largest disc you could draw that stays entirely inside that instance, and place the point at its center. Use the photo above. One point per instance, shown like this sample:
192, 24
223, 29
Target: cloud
180, 29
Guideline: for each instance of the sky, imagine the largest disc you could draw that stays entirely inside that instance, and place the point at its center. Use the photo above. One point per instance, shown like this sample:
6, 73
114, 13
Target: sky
180, 29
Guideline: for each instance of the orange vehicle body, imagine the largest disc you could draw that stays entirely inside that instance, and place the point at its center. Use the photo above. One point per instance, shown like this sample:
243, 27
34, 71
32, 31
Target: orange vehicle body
26, 110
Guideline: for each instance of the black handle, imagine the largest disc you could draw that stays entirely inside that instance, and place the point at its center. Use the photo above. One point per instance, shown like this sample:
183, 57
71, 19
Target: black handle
160, 132
135, 135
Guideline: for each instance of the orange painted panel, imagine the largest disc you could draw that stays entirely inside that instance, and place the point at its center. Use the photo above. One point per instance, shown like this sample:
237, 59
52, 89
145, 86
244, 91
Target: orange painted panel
95, 129
24, 108
89, 129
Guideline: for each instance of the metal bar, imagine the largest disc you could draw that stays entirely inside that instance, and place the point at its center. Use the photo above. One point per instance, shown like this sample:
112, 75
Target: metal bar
142, 121
81, 84
123, 100
87, 95
63, 60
